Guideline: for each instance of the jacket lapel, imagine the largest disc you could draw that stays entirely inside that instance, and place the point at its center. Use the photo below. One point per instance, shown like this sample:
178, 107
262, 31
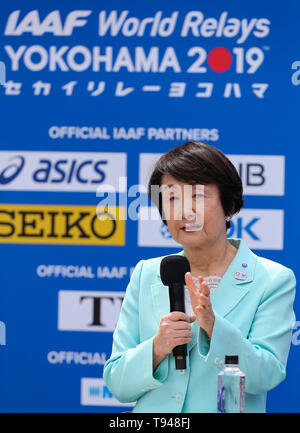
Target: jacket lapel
234, 284
161, 300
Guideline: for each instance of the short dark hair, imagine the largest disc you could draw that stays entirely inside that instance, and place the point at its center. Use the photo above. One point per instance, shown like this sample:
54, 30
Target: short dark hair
199, 163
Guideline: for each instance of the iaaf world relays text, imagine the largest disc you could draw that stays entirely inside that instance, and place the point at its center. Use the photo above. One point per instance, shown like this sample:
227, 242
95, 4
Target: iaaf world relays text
110, 24
115, 22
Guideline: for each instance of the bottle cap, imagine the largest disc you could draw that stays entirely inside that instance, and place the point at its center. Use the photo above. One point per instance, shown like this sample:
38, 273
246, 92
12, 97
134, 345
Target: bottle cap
231, 359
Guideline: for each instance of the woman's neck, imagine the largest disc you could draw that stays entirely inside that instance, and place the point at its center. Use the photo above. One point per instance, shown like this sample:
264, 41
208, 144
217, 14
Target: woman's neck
210, 261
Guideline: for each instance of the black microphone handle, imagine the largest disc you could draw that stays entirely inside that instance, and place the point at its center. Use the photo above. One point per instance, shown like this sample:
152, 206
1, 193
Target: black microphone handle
176, 293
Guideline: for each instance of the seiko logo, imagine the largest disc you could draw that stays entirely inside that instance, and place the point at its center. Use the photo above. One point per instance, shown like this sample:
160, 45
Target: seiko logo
61, 224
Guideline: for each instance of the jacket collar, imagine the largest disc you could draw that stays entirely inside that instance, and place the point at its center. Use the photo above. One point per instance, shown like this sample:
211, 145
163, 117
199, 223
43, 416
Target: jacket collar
230, 290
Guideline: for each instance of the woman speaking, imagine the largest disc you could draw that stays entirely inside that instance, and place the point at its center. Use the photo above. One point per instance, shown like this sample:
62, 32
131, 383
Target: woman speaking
235, 301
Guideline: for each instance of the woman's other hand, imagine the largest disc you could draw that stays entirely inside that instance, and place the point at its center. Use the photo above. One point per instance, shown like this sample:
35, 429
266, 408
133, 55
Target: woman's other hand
200, 300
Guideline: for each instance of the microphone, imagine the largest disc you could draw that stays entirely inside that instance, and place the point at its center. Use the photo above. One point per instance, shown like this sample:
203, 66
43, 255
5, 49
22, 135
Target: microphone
172, 271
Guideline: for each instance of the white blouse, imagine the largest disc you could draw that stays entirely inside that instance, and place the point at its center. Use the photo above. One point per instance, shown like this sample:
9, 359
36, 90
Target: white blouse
212, 282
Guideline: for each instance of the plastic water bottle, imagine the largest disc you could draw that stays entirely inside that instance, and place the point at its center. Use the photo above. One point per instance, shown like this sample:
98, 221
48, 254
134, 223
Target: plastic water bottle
231, 387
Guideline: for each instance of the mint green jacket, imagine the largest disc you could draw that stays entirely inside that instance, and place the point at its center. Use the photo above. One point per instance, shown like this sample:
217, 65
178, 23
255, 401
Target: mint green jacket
253, 319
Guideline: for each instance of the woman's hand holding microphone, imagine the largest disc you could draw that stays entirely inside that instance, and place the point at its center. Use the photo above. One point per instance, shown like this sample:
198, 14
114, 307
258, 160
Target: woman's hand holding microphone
174, 330
175, 327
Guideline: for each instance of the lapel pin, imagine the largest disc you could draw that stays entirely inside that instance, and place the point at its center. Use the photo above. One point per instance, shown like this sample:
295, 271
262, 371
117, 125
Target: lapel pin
240, 275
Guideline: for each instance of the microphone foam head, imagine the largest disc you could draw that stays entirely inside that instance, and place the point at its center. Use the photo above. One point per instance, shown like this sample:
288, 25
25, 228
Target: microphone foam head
173, 269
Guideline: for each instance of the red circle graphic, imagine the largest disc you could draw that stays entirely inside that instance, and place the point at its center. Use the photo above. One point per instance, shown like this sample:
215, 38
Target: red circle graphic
219, 59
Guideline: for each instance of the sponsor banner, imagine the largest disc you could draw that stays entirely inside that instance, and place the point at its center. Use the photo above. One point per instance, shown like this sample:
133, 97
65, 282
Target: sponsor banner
92, 311
60, 171
152, 232
61, 224
198, 72
146, 165
94, 392
260, 174
261, 229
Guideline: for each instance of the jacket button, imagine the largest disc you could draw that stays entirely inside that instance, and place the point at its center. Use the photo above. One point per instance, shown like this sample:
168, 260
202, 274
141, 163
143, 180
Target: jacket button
178, 397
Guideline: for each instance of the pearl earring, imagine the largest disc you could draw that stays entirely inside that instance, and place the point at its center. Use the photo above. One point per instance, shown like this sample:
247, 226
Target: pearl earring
227, 218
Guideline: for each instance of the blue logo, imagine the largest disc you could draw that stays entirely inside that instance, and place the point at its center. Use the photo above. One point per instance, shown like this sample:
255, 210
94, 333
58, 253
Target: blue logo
95, 391
239, 228
67, 170
10, 172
